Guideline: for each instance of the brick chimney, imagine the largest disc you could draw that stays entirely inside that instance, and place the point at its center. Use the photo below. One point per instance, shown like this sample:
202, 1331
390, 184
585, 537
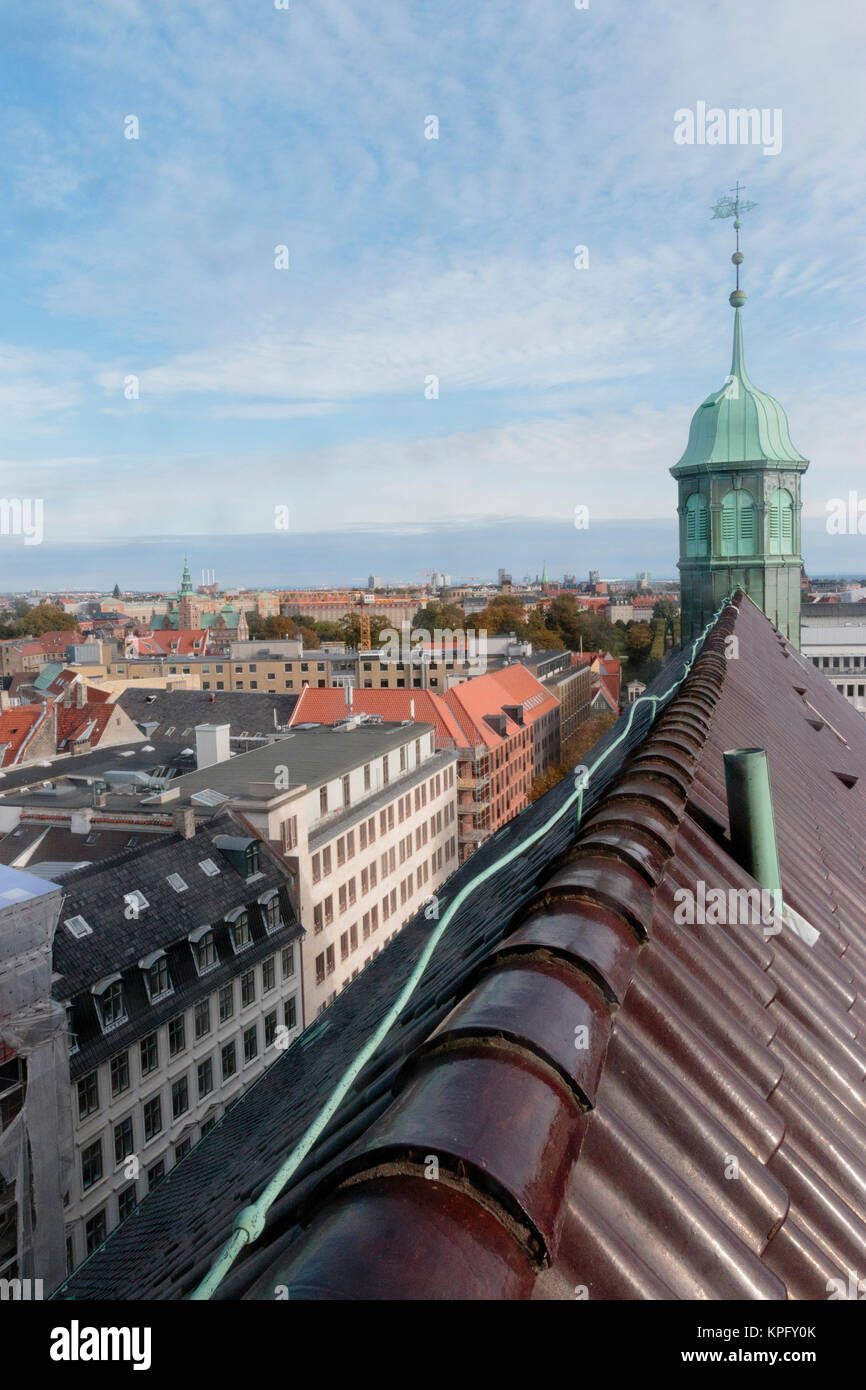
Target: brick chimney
184, 821
80, 695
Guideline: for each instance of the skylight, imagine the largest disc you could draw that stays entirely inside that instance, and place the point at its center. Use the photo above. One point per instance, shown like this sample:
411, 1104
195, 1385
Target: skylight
78, 926
136, 899
177, 883
209, 867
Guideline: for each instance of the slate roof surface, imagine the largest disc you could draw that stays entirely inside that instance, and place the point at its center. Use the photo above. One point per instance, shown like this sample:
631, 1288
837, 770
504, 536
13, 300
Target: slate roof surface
605, 1166
183, 709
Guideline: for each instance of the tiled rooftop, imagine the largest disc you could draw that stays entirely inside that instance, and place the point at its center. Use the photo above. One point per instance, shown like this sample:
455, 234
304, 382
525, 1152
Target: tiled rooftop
618, 1103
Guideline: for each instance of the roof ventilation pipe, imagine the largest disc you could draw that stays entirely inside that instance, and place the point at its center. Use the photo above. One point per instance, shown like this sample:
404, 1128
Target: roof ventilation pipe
753, 832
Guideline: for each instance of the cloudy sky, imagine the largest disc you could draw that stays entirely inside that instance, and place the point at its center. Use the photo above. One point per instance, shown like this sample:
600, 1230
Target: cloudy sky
410, 258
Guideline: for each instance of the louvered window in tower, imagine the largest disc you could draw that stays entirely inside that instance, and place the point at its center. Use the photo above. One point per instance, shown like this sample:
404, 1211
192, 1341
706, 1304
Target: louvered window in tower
697, 526
780, 523
738, 523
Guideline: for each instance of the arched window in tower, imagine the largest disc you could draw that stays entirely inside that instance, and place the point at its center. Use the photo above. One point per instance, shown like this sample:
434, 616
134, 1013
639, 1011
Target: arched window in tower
697, 526
738, 523
780, 521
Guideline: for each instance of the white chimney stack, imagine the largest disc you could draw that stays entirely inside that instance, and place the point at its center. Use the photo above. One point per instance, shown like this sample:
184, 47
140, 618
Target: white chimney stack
349, 696
412, 708
212, 744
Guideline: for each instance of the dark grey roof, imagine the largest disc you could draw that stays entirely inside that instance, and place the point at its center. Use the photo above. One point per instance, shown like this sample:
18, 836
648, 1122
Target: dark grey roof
97, 894
247, 711
117, 942
167, 1245
58, 845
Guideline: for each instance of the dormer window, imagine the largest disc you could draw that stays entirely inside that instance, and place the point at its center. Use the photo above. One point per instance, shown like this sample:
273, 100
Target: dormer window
204, 949
273, 911
253, 854
239, 926
157, 976
110, 1002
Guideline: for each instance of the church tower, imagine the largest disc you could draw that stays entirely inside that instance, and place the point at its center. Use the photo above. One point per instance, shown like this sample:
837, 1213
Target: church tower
187, 607
739, 492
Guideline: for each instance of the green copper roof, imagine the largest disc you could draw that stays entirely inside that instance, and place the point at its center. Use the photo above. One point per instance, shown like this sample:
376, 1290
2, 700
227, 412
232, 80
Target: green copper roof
186, 581
739, 423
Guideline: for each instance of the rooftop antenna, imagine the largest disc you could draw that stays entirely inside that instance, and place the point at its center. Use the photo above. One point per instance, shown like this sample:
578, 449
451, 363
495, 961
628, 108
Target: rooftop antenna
735, 207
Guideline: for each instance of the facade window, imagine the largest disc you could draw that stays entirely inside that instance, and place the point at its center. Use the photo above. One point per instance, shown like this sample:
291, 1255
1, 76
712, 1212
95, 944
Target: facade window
111, 1005
155, 1174
385, 772
326, 860
205, 952
202, 1019
176, 1035
316, 866
329, 960
240, 930
290, 1013
119, 1071
738, 523
320, 968
208, 1126
273, 914
318, 918
149, 1052
95, 1231
228, 1060
251, 1042
158, 978
182, 1149
152, 1118
205, 1079
347, 793
290, 834
123, 1140
248, 988
179, 1097
288, 961
226, 1002
88, 1094
269, 974
697, 526
323, 801
127, 1201
270, 1027
91, 1164
366, 777
780, 523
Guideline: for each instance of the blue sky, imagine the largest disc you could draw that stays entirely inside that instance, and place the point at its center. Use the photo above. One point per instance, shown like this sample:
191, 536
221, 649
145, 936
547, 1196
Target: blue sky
410, 257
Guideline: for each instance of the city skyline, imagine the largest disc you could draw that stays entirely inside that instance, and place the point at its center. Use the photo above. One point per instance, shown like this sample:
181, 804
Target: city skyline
155, 258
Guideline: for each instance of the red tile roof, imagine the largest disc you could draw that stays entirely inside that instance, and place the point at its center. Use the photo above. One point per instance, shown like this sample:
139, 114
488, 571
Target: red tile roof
87, 723
16, 727
708, 1050
326, 706
471, 701
171, 642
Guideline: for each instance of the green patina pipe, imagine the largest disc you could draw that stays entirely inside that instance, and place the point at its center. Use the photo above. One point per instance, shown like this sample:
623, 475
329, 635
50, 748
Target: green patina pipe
750, 809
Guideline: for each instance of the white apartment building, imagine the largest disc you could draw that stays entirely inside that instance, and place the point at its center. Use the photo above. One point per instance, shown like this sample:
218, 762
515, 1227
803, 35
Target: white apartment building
838, 649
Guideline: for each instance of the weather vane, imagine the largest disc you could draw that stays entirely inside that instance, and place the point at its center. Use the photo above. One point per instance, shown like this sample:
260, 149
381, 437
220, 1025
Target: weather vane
735, 207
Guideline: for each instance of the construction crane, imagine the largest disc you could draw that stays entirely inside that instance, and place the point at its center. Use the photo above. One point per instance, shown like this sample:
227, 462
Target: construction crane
365, 643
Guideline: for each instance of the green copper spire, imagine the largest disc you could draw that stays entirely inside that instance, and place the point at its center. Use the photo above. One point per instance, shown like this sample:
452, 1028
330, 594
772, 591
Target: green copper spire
738, 423
739, 499
186, 581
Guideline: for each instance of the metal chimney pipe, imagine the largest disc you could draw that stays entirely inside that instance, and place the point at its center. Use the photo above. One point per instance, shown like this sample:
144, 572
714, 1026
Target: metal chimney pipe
750, 810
